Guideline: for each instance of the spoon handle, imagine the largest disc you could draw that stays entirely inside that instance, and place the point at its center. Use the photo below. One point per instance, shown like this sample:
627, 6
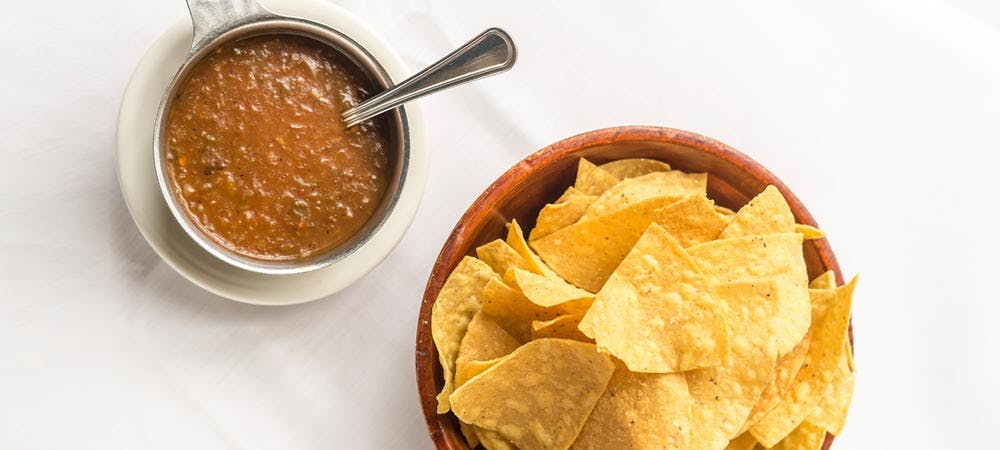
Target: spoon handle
211, 18
491, 52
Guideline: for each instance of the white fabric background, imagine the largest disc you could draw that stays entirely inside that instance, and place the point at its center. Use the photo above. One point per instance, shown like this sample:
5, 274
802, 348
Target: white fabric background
881, 116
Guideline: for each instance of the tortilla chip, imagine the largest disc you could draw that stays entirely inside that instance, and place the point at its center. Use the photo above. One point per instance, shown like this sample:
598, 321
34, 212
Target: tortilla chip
775, 256
724, 211
500, 256
591, 180
565, 212
821, 299
849, 350
586, 252
809, 232
675, 184
639, 411
539, 396
492, 440
691, 220
724, 395
484, 340
744, 441
457, 302
656, 312
826, 280
785, 371
805, 437
568, 194
549, 292
565, 300
832, 410
510, 280
789, 365
633, 167
562, 327
513, 311
825, 353
767, 213
470, 369
515, 238
469, 432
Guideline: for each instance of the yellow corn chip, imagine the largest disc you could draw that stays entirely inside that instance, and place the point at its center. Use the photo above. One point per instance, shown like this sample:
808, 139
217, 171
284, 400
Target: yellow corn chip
633, 167
539, 396
675, 184
470, 369
563, 327
500, 256
515, 238
656, 312
826, 280
775, 256
824, 354
785, 370
513, 311
492, 440
724, 211
767, 213
744, 441
549, 291
510, 280
561, 214
809, 232
457, 302
570, 193
805, 437
691, 220
724, 395
586, 252
789, 365
540, 288
821, 299
832, 410
849, 349
469, 432
639, 411
591, 180
484, 340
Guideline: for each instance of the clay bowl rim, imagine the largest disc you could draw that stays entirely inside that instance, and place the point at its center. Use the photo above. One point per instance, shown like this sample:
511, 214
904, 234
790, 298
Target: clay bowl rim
443, 428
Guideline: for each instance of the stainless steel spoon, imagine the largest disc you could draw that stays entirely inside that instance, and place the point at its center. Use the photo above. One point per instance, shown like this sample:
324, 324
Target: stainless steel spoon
489, 53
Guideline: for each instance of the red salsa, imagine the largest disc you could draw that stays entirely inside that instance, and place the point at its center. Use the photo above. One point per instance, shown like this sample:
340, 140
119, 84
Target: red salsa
259, 157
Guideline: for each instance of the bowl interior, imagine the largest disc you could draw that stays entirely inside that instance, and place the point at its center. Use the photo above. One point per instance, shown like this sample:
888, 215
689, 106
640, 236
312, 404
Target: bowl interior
733, 179
396, 126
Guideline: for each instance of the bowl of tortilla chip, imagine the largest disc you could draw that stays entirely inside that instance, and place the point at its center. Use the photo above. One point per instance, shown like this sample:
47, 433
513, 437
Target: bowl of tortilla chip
635, 287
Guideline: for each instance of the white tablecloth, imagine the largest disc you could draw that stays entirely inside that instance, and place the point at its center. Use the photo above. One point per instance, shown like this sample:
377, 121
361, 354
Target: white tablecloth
881, 116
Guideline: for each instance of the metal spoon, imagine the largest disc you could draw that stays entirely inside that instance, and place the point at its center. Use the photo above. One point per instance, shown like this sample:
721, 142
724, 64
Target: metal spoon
489, 53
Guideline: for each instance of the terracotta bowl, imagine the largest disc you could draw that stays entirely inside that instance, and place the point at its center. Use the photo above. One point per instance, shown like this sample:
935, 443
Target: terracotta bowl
733, 179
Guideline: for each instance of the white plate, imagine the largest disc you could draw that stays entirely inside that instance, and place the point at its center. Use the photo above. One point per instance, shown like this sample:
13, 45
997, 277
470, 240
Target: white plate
145, 202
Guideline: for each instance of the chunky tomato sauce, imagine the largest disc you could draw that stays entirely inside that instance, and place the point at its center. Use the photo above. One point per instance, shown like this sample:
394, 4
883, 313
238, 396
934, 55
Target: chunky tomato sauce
259, 157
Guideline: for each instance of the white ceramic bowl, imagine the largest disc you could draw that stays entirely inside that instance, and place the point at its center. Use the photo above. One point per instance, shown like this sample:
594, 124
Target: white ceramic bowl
137, 177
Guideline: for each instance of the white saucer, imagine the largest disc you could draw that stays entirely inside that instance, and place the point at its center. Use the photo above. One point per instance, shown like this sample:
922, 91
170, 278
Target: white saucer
149, 211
